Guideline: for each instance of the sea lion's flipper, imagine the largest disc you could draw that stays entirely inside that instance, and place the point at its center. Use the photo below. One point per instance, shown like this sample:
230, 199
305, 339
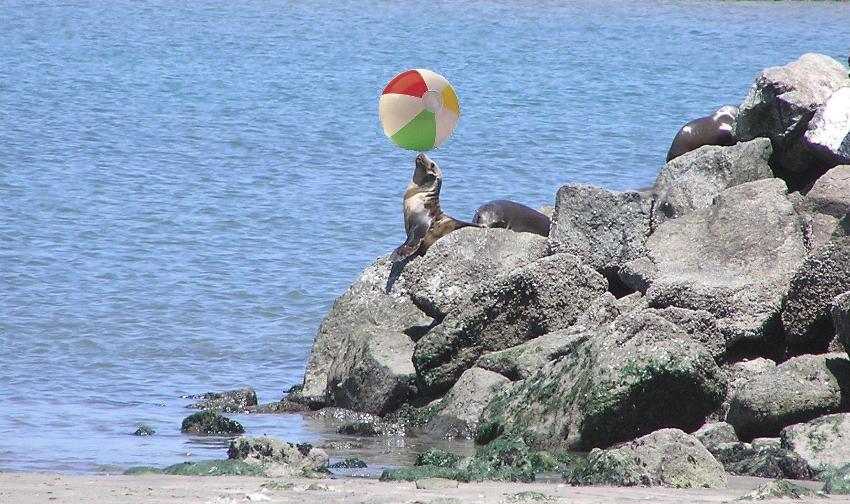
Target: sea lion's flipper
417, 226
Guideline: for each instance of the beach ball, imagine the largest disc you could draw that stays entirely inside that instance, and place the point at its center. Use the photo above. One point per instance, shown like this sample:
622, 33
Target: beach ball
418, 109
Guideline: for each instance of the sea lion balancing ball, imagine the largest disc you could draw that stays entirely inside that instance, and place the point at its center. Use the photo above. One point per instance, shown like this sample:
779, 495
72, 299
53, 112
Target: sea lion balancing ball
418, 109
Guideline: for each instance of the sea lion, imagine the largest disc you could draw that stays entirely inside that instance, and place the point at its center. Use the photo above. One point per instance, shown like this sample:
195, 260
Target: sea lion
715, 129
512, 215
424, 221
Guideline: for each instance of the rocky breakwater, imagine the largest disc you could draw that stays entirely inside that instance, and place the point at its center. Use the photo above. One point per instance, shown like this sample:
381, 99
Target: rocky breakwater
719, 295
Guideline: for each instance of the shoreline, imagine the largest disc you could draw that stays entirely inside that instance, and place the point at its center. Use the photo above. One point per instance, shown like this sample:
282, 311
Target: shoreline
31, 488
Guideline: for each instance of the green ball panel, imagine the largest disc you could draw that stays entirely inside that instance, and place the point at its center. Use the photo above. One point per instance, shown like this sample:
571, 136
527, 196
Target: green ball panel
419, 133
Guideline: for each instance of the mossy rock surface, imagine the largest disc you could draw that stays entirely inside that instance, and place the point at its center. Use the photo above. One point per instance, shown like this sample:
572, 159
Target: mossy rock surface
607, 468
349, 463
837, 481
778, 489
215, 468
422, 472
504, 459
210, 423
144, 430
142, 470
438, 458
366, 429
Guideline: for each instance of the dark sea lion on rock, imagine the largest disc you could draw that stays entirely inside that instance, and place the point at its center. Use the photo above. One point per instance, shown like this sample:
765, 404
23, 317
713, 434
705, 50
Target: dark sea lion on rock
715, 129
512, 215
424, 222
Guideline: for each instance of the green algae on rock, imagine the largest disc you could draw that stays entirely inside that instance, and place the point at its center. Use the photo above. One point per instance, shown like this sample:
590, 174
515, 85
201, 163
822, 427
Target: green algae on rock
837, 481
144, 430
423, 472
437, 458
280, 459
349, 463
778, 489
205, 468
231, 401
504, 459
210, 422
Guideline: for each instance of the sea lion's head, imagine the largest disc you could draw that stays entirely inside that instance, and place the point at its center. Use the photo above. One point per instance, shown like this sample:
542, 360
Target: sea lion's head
427, 174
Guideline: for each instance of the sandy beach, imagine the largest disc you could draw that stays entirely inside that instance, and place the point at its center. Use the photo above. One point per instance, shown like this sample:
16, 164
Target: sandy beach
27, 488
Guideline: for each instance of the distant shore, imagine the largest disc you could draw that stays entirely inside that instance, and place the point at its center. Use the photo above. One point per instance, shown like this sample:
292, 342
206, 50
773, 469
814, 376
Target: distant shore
28, 488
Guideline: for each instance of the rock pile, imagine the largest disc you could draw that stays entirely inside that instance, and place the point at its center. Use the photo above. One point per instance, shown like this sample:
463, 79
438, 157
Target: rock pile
721, 294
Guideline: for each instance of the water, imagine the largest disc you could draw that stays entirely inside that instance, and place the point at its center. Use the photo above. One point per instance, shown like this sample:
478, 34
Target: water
185, 187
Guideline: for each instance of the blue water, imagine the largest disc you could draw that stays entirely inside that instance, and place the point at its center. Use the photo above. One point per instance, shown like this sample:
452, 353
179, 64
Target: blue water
185, 187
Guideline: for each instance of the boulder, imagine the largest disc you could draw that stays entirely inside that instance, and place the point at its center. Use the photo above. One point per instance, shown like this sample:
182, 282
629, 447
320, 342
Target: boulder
361, 358
699, 325
738, 373
692, 180
828, 132
824, 443
824, 274
768, 461
733, 259
713, 434
605, 229
279, 459
625, 379
458, 411
544, 296
825, 204
798, 390
210, 423
780, 105
457, 264
667, 457
522, 361
840, 311
231, 401
778, 489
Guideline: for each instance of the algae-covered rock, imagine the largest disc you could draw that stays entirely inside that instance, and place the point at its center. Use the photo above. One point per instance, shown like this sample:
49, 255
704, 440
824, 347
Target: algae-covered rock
840, 311
667, 457
798, 390
349, 463
279, 459
765, 461
210, 422
215, 468
456, 414
143, 470
837, 481
363, 429
823, 442
778, 489
231, 401
437, 458
144, 430
620, 381
504, 459
544, 296
423, 472
713, 434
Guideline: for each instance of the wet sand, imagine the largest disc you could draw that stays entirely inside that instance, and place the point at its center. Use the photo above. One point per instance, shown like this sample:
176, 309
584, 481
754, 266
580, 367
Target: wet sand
27, 488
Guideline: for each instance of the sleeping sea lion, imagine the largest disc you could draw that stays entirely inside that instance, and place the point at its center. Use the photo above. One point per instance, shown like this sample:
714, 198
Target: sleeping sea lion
424, 222
512, 215
715, 129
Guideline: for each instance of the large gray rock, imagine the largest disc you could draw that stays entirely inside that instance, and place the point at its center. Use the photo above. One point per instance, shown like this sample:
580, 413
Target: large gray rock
738, 374
829, 130
823, 275
604, 228
797, 390
692, 180
361, 358
767, 460
699, 325
840, 311
780, 105
458, 411
667, 457
824, 443
713, 434
626, 379
522, 361
280, 459
733, 259
825, 204
547, 295
442, 280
